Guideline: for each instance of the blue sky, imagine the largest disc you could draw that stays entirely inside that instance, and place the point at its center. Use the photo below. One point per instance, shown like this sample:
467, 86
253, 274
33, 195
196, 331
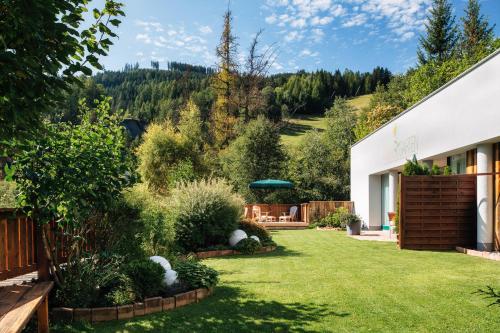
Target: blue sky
308, 34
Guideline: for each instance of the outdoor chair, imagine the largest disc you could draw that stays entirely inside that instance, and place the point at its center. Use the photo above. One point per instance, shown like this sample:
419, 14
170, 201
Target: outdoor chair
291, 217
259, 216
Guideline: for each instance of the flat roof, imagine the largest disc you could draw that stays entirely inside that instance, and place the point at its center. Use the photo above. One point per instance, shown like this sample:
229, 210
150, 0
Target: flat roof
472, 68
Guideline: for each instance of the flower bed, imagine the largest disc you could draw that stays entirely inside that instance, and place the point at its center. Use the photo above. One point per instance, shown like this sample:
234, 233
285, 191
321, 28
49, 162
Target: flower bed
221, 253
150, 305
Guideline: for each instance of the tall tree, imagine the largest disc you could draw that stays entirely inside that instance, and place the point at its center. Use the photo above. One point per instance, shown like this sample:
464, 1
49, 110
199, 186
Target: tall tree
441, 34
224, 83
477, 31
44, 47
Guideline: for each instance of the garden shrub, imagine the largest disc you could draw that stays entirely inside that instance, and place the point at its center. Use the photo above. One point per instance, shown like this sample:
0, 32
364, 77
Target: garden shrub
120, 230
88, 281
254, 229
8, 194
205, 213
146, 276
157, 234
340, 218
196, 275
247, 246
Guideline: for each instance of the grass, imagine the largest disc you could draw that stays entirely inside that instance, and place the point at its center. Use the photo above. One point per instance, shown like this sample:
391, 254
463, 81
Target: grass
299, 125
326, 282
360, 102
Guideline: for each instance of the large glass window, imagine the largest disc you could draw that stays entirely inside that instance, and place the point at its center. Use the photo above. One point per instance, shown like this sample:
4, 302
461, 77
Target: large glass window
458, 164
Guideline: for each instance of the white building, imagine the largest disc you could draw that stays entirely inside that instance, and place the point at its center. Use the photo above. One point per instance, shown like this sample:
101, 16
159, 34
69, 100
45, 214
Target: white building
457, 125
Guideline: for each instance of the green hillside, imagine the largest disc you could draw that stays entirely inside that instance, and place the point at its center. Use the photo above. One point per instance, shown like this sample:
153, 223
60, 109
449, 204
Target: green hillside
299, 125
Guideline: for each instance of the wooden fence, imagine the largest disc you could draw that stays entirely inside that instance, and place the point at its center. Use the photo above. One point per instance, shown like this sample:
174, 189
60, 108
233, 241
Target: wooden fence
21, 246
307, 212
18, 245
437, 212
319, 209
275, 210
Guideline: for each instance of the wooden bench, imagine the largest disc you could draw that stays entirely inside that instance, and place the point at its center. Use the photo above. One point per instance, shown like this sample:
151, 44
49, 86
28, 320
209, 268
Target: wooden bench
18, 303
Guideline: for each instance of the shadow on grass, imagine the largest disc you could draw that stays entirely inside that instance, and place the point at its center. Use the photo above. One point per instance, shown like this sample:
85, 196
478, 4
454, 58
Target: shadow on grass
280, 251
228, 310
294, 129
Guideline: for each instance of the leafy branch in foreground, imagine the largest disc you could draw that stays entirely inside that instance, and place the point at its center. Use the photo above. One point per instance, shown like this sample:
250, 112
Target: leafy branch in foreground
43, 49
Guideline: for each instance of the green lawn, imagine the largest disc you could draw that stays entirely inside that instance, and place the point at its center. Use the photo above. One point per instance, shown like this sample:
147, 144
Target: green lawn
299, 125
326, 282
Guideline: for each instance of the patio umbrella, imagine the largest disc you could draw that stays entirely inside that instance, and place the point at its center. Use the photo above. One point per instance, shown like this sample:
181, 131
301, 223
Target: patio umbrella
270, 184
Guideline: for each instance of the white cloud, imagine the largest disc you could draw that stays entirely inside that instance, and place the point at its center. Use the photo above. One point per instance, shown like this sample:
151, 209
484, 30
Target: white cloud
355, 20
143, 38
317, 35
308, 53
205, 29
271, 19
293, 36
321, 20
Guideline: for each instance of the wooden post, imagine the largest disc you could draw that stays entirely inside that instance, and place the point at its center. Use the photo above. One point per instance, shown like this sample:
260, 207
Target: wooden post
41, 258
43, 316
496, 196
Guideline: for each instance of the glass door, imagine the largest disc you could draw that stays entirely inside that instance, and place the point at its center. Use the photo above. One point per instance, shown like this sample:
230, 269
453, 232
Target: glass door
385, 202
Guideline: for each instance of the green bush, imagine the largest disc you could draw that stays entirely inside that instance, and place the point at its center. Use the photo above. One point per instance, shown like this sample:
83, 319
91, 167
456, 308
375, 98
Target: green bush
340, 218
120, 230
8, 194
196, 275
146, 276
89, 281
157, 228
205, 213
254, 229
247, 246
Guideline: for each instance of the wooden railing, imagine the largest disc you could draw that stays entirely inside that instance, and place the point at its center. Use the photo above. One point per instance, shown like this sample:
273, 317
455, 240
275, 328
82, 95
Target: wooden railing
307, 212
319, 209
18, 253
275, 210
21, 245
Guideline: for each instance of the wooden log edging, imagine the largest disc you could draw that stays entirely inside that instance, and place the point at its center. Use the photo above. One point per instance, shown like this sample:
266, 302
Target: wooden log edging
482, 254
150, 305
222, 253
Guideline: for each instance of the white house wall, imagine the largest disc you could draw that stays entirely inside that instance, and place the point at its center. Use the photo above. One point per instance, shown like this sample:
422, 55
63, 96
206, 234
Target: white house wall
459, 115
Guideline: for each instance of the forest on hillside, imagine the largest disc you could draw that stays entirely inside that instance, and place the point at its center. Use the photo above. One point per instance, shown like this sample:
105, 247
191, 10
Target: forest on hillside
154, 94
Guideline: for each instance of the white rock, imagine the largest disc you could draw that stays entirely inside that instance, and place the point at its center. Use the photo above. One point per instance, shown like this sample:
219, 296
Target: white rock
170, 277
162, 261
256, 238
236, 236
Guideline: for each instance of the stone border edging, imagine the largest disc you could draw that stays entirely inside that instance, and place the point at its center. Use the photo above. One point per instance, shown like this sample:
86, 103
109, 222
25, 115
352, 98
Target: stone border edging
222, 253
476, 253
150, 305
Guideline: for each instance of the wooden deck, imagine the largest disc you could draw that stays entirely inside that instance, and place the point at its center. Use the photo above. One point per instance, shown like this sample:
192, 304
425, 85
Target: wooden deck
284, 225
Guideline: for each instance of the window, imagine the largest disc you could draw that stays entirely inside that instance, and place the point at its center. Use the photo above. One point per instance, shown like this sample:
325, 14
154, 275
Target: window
458, 164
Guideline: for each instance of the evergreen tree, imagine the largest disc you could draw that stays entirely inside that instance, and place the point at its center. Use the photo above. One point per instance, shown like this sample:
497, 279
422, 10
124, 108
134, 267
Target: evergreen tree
441, 34
477, 31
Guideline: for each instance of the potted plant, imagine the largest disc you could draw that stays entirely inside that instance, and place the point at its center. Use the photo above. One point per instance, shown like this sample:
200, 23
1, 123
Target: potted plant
353, 224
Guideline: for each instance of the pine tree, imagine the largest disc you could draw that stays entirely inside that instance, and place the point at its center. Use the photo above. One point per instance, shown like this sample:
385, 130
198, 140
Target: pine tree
224, 115
477, 31
441, 35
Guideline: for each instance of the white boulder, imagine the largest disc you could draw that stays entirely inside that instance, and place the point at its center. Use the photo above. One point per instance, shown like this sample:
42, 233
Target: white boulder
236, 236
162, 261
256, 238
170, 277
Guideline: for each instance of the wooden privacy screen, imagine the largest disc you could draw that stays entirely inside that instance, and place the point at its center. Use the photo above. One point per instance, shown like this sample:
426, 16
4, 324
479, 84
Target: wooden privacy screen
275, 210
307, 212
437, 212
18, 245
320, 209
